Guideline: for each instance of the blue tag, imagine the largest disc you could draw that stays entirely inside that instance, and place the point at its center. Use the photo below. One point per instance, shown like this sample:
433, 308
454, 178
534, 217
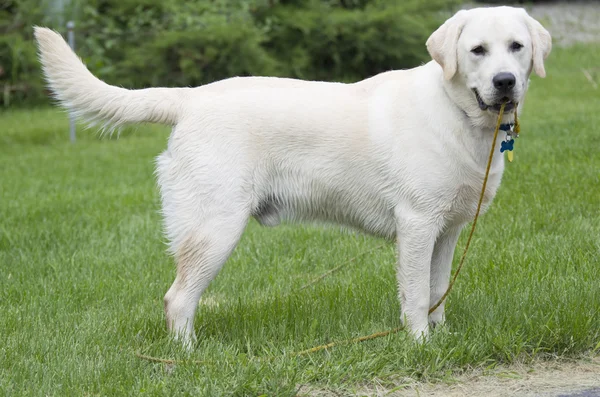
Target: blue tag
509, 145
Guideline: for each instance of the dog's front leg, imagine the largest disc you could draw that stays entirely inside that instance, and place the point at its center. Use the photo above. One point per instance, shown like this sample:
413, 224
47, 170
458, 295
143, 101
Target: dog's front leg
416, 238
441, 263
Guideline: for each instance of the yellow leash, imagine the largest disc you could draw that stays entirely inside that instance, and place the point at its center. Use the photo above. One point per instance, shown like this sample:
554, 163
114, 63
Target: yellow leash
485, 179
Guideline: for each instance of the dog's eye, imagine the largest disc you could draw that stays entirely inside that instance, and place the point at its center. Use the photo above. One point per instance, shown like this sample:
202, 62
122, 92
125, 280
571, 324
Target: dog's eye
516, 46
479, 50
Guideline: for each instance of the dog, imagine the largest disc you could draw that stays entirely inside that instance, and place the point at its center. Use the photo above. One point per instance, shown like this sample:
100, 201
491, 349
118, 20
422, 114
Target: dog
401, 155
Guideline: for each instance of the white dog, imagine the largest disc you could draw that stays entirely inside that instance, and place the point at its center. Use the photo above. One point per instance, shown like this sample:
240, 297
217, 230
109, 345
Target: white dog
401, 155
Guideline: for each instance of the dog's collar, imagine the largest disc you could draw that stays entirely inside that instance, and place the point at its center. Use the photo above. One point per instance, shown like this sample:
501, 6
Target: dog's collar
507, 127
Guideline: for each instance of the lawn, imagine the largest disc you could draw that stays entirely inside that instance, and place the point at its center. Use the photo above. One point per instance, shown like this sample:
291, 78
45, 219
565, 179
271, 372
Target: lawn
83, 269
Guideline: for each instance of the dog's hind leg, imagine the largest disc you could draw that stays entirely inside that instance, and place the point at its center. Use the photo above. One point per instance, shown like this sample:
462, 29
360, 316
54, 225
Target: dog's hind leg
199, 257
204, 217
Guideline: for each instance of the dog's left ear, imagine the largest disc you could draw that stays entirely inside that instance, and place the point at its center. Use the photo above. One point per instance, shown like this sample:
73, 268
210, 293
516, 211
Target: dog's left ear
541, 42
442, 44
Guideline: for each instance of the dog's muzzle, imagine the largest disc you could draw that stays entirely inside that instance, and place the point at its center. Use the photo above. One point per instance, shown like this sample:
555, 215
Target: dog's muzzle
495, 107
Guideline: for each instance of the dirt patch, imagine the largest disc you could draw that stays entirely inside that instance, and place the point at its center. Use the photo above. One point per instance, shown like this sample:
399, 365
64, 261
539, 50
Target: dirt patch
556, 378
547, 379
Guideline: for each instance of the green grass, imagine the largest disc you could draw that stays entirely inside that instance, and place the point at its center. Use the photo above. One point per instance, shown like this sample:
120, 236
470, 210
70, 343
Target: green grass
83, 269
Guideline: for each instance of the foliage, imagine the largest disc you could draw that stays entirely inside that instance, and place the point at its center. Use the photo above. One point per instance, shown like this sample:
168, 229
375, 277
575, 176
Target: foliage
329, 42
140, 43
20, 78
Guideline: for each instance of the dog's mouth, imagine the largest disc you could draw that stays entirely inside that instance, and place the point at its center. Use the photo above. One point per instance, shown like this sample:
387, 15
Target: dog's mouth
510, 104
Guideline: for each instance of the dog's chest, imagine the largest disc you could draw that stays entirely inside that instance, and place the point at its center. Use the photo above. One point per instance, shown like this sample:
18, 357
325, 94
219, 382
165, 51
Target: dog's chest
465, 197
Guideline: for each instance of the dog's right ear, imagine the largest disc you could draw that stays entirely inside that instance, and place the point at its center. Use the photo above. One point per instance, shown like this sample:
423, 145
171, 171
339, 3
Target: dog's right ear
442, 44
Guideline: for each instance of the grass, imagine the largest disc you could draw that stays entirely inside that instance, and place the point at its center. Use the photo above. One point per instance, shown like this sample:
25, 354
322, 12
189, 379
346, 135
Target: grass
83, 270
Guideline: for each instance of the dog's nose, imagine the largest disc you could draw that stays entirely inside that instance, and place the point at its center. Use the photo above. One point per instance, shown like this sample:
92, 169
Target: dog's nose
504, 82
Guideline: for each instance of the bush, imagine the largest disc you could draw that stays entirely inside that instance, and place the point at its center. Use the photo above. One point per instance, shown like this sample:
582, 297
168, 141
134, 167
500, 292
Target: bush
20, 78
141, 43
326, 41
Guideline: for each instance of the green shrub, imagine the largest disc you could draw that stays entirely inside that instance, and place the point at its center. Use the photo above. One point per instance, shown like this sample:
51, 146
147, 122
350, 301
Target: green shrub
327, 42
20, 78
141, 43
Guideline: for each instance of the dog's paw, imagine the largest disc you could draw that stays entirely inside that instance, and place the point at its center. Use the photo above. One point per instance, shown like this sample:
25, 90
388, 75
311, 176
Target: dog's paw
420, 334
436, 319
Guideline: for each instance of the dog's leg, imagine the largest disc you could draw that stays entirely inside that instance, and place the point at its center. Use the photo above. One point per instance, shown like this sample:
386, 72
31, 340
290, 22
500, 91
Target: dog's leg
199, 258
205, 208
416, 240
441, 264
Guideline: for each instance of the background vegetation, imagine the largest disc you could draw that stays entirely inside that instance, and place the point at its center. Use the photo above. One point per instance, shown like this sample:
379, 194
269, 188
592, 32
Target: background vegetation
141, 43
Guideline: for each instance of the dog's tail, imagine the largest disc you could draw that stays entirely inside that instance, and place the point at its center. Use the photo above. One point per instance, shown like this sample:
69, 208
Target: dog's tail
87, 97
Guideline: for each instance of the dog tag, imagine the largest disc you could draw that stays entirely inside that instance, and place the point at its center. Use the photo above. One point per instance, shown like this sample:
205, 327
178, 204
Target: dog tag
508, 145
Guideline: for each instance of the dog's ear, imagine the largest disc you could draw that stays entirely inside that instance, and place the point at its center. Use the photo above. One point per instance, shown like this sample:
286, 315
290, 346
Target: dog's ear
443, 43
541, 42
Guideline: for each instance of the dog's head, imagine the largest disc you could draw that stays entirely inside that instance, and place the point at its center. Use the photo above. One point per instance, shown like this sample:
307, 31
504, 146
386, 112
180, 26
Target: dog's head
488, 55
